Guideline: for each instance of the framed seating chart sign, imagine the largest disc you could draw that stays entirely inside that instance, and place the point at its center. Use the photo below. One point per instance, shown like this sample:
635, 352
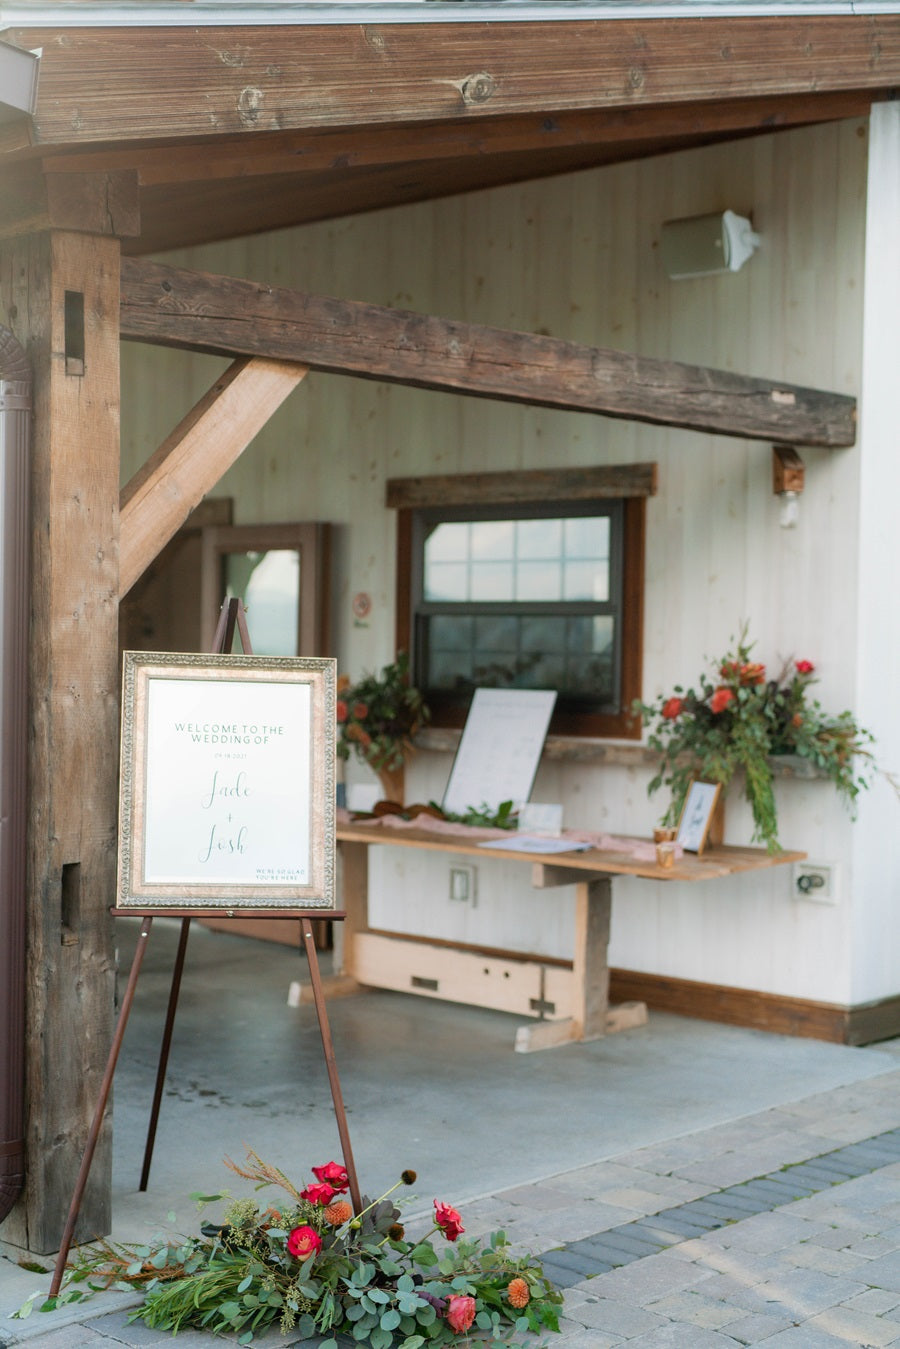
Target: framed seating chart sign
227, 795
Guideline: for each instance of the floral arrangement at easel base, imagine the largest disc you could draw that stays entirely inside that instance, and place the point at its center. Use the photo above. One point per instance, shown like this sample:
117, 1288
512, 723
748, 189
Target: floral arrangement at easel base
311, 1266
736, 720
378, 716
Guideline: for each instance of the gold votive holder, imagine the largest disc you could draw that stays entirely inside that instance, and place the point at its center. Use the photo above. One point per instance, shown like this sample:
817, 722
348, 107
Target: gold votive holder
665, 854
663, 835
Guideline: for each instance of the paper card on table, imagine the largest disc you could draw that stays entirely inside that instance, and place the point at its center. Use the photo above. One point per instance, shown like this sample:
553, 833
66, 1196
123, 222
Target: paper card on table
534, 843
500, 748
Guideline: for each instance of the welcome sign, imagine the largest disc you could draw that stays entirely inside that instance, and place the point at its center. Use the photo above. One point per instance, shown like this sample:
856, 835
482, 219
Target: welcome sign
227, 785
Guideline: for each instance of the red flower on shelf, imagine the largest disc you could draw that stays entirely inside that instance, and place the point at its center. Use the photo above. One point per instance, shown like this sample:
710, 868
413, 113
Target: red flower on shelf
671, 708
318, 1194
804, 667
720, 700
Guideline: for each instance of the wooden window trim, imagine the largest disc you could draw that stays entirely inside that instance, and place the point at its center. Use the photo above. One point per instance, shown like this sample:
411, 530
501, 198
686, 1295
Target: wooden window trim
632, 482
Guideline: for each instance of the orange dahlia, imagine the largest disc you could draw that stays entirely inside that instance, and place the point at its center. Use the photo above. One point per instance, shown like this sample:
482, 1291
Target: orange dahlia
518, 1293
338, 1212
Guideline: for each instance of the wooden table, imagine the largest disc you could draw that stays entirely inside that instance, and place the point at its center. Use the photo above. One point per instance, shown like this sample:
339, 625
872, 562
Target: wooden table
569, 1001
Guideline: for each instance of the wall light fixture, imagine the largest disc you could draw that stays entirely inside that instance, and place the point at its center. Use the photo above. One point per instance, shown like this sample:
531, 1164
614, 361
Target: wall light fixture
706, 244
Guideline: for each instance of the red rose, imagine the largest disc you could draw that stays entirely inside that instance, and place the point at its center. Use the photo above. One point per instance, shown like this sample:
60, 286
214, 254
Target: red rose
804, 666
303, 1242
448, 1220
360, 711
672, 708
720, 700
318, 1194
341, 710
333, 1174
460, 1313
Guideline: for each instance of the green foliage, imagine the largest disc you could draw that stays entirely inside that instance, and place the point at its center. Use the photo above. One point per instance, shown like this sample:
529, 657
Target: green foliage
378, 716
363, 1279
483, 816
736, 720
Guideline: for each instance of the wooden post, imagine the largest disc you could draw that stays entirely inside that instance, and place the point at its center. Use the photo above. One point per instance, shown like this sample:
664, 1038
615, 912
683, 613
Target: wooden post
59, 294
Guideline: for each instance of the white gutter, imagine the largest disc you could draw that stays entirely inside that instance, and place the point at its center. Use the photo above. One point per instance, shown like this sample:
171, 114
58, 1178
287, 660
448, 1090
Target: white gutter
269, 13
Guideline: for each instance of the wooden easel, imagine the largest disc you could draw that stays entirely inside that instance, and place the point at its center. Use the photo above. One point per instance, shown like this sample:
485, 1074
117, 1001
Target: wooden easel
231, 617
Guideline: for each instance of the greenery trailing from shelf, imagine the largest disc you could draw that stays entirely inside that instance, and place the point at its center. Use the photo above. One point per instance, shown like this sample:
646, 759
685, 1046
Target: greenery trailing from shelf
736, 720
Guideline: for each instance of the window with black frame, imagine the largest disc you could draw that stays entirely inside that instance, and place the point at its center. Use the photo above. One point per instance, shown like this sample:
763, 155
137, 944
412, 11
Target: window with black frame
535, 595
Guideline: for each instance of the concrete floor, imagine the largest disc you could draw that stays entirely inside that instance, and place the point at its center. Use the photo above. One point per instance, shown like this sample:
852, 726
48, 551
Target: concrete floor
427, 1085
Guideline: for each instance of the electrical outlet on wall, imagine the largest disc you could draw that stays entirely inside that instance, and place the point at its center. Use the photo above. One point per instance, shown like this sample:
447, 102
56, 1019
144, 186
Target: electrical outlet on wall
463, 880
814, 881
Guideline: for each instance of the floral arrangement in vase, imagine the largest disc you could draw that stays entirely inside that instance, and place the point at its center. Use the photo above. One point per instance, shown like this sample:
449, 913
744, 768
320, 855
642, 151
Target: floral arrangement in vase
737, 719
311, 1265
377, 719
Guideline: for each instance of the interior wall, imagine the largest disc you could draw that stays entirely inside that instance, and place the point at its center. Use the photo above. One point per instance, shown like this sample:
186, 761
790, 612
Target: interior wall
578, 257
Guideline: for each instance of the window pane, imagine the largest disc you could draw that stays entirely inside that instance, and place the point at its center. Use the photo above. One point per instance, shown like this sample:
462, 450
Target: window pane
538, 581
543, 632
451, 633
493, 540
586, 581
492, 581
539, 538
447, 581
448, 543
587, 536
501, 633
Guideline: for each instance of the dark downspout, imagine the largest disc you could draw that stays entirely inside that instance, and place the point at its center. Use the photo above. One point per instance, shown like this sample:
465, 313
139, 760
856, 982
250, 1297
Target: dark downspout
15, 429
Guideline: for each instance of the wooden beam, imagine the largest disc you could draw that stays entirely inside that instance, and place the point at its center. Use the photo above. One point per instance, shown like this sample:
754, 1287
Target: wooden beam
555, 484
93, 202
73, 715
161, 495
101, 84
223, 315
297, 154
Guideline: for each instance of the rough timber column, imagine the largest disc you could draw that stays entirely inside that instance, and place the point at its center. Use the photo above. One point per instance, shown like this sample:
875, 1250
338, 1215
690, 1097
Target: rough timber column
59, 294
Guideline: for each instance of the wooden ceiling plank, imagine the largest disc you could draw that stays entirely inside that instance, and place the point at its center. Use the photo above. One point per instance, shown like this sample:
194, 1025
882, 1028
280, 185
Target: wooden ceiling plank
161, 495
100, 84
223, 315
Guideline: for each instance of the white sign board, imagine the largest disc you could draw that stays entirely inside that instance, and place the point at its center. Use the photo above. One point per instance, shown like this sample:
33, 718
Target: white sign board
500, 749
227, 795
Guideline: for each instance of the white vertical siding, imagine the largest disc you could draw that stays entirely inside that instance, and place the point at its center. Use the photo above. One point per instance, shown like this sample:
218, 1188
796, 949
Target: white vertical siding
578, 257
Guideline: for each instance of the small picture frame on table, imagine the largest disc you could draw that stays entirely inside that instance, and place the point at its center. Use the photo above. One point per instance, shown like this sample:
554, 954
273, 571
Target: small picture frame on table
696, 817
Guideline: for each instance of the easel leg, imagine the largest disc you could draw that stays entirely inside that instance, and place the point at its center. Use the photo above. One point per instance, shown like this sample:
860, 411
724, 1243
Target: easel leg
105, 1087
164, 1051
330, 1062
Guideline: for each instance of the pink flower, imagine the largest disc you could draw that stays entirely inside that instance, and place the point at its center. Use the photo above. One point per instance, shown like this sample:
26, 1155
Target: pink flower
448, 1220
333, 1174
303, 1242
804, 666
720, 700
460, 1313
672, 708
318, 1194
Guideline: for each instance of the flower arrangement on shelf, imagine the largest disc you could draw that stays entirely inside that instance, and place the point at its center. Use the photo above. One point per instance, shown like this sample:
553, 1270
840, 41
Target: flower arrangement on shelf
378, 716
312, 1266
737, 720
